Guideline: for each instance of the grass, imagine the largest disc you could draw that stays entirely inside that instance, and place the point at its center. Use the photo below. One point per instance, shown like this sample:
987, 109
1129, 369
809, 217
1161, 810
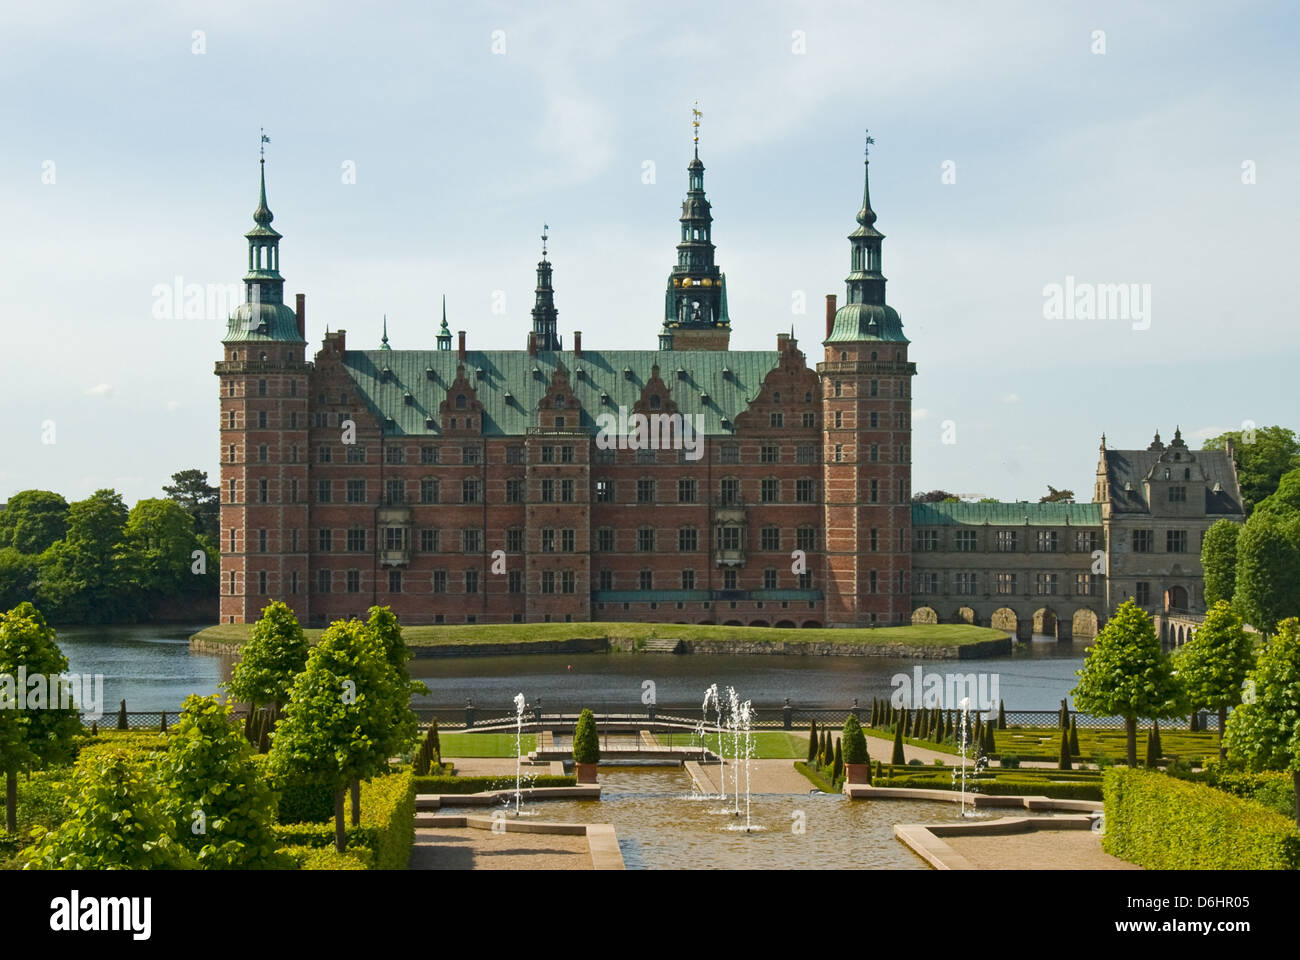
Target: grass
483, 744
923, 635
767, 744
818, 778
1044, 743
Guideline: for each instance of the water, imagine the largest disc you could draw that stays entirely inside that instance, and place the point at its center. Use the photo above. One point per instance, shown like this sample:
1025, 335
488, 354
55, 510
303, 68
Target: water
657, 830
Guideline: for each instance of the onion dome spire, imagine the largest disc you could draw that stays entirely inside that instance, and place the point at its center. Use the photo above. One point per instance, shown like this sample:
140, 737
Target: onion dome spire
544, 312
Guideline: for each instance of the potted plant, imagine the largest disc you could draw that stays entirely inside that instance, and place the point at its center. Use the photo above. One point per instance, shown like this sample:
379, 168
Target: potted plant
586, 747
857, 764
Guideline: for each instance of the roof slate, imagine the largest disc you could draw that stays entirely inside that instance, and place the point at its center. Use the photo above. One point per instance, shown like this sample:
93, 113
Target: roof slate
1006, 514
1132, 466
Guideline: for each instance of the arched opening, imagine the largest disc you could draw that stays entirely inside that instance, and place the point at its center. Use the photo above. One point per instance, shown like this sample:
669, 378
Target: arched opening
1176, 598
1004, 618
925, 615
813, 624
733, 623
1084, 623
967, 615
706, 623
758, 623
1045, 622
786, 624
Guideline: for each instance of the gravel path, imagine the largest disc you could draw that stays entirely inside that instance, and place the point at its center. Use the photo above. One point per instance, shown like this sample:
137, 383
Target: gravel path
1039, 850
469, 849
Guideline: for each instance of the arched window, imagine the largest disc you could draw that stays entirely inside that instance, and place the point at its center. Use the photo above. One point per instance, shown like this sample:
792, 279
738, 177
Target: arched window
559, 401
655, 402
460, 401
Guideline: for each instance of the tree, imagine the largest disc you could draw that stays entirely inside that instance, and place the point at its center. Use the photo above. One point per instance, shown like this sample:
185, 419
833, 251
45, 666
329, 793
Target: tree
586, 742
276, 652
1219, 560
1268, 572
335, 725
935, 496
812, 743
1262, 456
855, 741
1285, 500
1126, 674
17, 577
1057, 496
1264, 730
202, 501
115, 821
897, 756
404, 724
33, 520
160, 543
837, 764
1063, 756
83, 575
1213, 665
218, 800
33, 732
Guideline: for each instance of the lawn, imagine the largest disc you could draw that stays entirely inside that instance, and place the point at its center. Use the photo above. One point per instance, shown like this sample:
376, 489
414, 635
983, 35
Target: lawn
767, 744
923, 635
1044, 743
483, 744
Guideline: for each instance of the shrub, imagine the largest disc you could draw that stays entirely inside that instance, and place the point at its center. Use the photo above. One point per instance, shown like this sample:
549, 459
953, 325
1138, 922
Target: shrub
479, 784
1161, 823
837, 764
1002, 715
855, 742
897, 755
1063, 761
387, 830
326, 858
303, 798
586, 744
812, 742
1273, 789
1009, 761
1074, 737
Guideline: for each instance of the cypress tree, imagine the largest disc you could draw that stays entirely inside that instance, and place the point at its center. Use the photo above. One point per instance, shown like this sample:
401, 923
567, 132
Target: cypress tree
1063, 762
1064, 720
1074, 737
837, 766
1002, 715
990, 743
923, 725
1155, 736
121, 716
825, 752
897, 756
812, 742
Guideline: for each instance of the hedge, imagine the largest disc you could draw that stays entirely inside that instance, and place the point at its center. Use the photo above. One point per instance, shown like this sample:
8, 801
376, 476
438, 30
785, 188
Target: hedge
1162, 823
1274, 790
484, 783
326, 858
138, 744
387, 830
1001, 787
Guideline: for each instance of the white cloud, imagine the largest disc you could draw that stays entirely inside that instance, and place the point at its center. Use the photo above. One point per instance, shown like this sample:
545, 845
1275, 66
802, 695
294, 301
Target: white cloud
173, 405
99, 390
1011, 398
920, 414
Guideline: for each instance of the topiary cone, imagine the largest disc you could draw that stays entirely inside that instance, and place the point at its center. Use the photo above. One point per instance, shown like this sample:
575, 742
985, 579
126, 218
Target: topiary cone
1063, 761
897, 756
1002, 715
1074, 738
812, 743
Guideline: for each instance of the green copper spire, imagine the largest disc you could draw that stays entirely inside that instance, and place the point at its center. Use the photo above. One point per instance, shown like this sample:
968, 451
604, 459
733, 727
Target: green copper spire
544, 312
383, 341
444, 334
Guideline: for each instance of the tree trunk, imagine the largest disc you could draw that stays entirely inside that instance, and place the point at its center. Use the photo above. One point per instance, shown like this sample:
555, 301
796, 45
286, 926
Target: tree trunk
11, 801
340, 837
356, 803
1131, 729
1223, 722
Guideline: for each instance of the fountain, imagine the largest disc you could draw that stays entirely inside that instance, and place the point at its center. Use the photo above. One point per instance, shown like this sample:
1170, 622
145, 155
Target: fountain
980, 760
519, 749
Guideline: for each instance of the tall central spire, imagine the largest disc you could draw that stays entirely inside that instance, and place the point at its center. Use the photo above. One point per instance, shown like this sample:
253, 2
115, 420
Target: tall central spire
544, 312
865, 282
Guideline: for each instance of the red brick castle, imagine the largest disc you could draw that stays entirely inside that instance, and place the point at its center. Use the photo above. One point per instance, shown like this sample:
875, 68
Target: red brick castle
460, 485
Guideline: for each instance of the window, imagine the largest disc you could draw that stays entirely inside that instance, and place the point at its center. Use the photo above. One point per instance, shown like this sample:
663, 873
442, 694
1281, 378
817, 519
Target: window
440, 581
872, 582
232, 539
966, 584
770, 490
1004, 583
686, 490
688, 540
1142, 593
605, 540
514, 453
356, 491
548, 581
806, 538
261, 453
568, 582
606, 580
729, 538
394, 538
357, 454
324, 581
263, 494
515, 490
293, 490
471, 540
548, 490
566, 491
1177, 494
1085, 541
1083, 584
875, 540
1045, 584
567, 541
1175, 541
548, 540
548, 454
927, 582
394, 455
1143, 541
770, 538
261, 541
515, 540
429, 490
927, 539
770, 453
804, 453
428, 540
839, 418
729, 579
471, 581
293, 581
645, 539
776, 419
566, 454
604, 491
261, 581
646, 580
472, 454
461, 402
688, 579
395, 491
809, 419
730, 451
803, 491
839, 452
769, 579
874, 420
1047, 541
261, 419
324, 540
428, 454
356, 540
394, 581
966, 541
515, 581
1006, 541
839, 388
232, 453
352, 581
469, 490
729, 490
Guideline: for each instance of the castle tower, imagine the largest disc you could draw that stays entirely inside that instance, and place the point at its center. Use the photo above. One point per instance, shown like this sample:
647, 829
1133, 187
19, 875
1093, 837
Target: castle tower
867, 416
263, 384
695, 304
544, 334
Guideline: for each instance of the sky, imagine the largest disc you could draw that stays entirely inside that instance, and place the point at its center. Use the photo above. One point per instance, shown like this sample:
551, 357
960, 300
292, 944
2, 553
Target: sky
1016, 145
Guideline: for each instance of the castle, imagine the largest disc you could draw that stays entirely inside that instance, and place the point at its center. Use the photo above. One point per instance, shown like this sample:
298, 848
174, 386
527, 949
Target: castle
480, 486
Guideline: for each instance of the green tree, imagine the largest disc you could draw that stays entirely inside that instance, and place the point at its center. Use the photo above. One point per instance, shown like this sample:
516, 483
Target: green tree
33, 520
202, 501
1212, 666
1262, 456
276, 652
404, 725
114, 821
32, 732
220, 802
1219, 560
1264, 730
1057, 496
17, 577
1126, 674
1063, 756
812, 743
586, 742
160, 541
1285, 500
855, 741
335, 726
837, 762
85, 576
1268, 572
896, 756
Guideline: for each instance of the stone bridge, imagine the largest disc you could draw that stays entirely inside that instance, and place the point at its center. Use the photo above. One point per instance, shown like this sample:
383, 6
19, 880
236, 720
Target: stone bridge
1061, 617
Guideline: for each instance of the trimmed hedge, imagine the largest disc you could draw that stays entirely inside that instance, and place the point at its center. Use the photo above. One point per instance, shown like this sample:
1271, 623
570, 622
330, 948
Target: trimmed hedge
1274, 790
138, 744
1162, 823
387, 830
447, 784
326, 858
1003, 786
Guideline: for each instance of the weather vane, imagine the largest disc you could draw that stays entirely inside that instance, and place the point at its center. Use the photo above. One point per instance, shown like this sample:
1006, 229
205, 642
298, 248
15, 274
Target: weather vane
695, 120
545, 230
866, 151
265, 141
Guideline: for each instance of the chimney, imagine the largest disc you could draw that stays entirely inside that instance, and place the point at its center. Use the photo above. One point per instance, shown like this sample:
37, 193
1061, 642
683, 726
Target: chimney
830, 313
302, 315
460, 345
782, 342
577, 344
532, 343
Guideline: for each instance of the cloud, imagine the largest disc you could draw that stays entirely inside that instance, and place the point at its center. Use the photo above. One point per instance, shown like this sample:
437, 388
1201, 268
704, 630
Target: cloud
921, 414
1011, 398
99, 390
173, 405
1204, 433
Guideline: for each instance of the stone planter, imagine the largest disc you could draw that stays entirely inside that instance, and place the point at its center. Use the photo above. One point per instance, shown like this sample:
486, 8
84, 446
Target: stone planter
857, 772
586, 772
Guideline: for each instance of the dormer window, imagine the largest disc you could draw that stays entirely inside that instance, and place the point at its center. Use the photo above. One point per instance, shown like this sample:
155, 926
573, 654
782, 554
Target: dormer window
460, 401
655, 402
776, 396
559, 401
